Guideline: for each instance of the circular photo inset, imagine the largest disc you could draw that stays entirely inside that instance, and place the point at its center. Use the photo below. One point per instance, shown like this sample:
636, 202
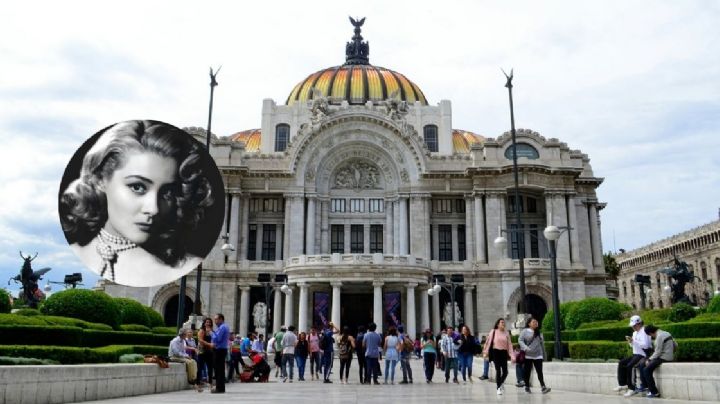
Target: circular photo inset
141, 203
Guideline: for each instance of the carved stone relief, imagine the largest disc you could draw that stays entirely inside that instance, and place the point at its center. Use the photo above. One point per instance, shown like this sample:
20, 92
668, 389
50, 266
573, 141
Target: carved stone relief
357, 175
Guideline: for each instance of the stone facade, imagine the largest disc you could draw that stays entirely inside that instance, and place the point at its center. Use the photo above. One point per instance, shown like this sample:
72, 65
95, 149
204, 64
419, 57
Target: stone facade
361, 200
699, 247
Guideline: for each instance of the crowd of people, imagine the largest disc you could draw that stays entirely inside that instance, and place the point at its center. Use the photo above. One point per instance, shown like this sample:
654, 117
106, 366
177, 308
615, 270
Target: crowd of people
220, 355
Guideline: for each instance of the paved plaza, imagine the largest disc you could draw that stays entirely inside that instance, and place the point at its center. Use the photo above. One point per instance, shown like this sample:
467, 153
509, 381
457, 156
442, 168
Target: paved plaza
419, 392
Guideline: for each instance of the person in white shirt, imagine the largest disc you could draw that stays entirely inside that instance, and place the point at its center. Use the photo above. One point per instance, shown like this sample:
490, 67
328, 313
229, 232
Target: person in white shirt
641, 344
178, 352
288, 352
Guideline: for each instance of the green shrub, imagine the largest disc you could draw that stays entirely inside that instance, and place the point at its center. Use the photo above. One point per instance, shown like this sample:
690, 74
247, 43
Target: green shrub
599, 349
14, 319
165, 331
134, 327
95, 338
693, 330
84, 304
549, 324
131, 311
605, 324
5, 301
8, 360
655, 316
705, 318
593, 309
698, 350
131, 358
74, 322
714, 305
73, 355
681, 312
154, 318
27, 312
40, 335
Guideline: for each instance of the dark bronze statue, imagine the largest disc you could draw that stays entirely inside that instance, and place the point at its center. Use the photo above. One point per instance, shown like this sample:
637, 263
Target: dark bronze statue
28, 278
357, 52
680, 275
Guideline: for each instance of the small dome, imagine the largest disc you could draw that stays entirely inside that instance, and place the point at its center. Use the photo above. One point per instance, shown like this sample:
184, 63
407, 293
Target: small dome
462, 140
251, 137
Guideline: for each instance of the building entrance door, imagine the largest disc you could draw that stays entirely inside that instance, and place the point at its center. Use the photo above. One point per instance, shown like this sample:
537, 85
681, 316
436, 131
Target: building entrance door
356, 309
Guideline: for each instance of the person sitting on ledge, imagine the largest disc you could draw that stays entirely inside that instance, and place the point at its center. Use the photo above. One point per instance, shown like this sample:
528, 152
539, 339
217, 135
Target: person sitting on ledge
641, 347
178, 353
665, 348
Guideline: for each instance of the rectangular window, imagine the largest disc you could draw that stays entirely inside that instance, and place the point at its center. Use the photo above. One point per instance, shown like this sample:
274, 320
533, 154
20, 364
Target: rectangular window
337, 205
460, 205
357, 205
511, 204
268, 242
534, 242
444, 242
252, 242
443, 205
462, 247
337, 238
282, 136
376, 238
430, 135
254, 204
357, 239
271, 205
515, 239
531, 205
377, 205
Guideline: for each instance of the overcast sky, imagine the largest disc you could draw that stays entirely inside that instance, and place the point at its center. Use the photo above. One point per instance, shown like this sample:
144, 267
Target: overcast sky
635, 85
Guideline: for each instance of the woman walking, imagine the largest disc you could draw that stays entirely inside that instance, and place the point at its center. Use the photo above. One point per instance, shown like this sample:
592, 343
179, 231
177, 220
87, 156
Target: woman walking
345, 350
301, 354
497, 350
468, 345
314, 345
429, 352
391, 348
532, 343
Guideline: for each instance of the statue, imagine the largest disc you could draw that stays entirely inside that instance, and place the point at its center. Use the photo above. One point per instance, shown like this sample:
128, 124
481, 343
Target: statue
357, 176
448, 313
29, 281
320, 107
260, 315
680, 275
395, 109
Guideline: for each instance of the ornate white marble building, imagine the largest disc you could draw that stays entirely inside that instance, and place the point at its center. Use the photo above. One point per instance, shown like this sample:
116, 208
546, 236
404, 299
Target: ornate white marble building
698, 247
360, 191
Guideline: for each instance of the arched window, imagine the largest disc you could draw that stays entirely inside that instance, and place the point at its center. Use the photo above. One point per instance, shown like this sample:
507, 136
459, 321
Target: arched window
660, 303
523, 150
624, 289
282, 136
430, 134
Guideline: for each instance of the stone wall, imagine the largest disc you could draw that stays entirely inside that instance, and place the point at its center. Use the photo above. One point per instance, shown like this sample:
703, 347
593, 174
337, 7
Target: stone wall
75, 383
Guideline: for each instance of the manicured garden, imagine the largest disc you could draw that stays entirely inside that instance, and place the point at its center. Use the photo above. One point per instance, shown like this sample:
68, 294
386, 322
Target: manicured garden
81, 326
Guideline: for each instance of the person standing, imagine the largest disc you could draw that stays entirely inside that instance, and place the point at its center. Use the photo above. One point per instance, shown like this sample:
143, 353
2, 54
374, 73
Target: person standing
449, 349
641, 344
205, 352
314, 344
486, 361
406, 350
360, 353
665, 347
346, 345
301, 354
288, 353
391, 347
327, 345
429, 353
371, 344
235, 357
279, 351
532, 343
466, 352
271, 350
219, 342
497, 349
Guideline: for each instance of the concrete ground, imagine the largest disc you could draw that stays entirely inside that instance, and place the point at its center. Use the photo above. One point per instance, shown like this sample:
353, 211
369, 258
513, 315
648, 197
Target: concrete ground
314, 391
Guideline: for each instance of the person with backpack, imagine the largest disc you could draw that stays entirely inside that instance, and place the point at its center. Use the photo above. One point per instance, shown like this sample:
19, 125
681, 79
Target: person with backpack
497, 349
665, 347
360, 353
406, 350
641, 346
346, 345
327, 343
532, 345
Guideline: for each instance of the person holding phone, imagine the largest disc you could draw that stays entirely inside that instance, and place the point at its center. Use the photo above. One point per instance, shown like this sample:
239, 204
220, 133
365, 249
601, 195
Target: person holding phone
641, 344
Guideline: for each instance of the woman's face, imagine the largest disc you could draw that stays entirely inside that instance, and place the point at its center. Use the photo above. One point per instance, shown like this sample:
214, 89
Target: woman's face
138, 194
501, 324
533, 324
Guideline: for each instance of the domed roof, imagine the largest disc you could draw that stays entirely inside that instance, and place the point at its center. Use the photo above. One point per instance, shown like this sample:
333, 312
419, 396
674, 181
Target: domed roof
357, 81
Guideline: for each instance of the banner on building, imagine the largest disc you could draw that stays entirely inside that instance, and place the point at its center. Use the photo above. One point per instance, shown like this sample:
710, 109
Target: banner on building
321, 310
393, 315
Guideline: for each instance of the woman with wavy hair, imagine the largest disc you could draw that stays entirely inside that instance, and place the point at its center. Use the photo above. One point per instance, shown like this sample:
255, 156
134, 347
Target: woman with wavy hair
141, 193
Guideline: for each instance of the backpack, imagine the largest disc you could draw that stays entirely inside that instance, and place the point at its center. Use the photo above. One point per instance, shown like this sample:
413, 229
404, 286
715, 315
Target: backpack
407, 344
323, 342
344, 349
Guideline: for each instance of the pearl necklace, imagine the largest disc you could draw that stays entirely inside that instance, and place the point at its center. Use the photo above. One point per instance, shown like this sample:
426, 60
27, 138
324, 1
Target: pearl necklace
108, 247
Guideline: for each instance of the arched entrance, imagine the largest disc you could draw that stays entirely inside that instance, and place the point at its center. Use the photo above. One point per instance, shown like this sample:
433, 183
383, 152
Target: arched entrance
171, 310
536, 307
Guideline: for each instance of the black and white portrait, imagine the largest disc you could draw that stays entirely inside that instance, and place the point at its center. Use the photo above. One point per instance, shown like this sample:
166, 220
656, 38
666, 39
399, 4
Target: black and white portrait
141, 203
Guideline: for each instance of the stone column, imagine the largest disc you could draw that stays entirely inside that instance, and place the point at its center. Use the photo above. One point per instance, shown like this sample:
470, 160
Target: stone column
388, 247
558, 217
595, 236
469, 315
574, 238
277, 310
411, 329
303, 308
297, 226
244, 309
419, 230
495, 221
428, 214
289, 309
424, 310
286, 226
234, 226
310, 229
335, 314
436, 314
403, 226
396, 226
377, 305
324, 228
469, 231
480, 235
244, 228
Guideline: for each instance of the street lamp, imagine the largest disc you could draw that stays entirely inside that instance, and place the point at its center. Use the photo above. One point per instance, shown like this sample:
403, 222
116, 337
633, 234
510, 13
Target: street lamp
552, 234
440, 284
266, 280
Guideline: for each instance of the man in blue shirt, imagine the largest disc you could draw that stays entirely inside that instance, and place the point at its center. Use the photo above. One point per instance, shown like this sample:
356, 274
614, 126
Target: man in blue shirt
327, 346
371, 344
219, 343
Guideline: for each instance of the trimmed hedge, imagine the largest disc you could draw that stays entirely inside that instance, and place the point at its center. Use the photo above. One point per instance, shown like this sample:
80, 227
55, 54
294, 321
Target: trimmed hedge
714, 305
154, 318
131, 311
27, 312
599, 349
72, 355
96, 338
17, 319
89, 305
593, 309
565, 308
681, 312
5, 299
165, 331
688, 329
8, 360
134, 327
689, 350
76, 336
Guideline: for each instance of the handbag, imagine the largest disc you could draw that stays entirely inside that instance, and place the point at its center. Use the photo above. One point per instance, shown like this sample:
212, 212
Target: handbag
492, 343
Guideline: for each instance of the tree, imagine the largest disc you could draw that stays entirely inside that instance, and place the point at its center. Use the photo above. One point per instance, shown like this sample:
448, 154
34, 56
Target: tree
611, 265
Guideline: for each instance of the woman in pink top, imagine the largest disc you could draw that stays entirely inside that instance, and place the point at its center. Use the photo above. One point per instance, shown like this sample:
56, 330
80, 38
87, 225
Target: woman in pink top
497, 348
314, 344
